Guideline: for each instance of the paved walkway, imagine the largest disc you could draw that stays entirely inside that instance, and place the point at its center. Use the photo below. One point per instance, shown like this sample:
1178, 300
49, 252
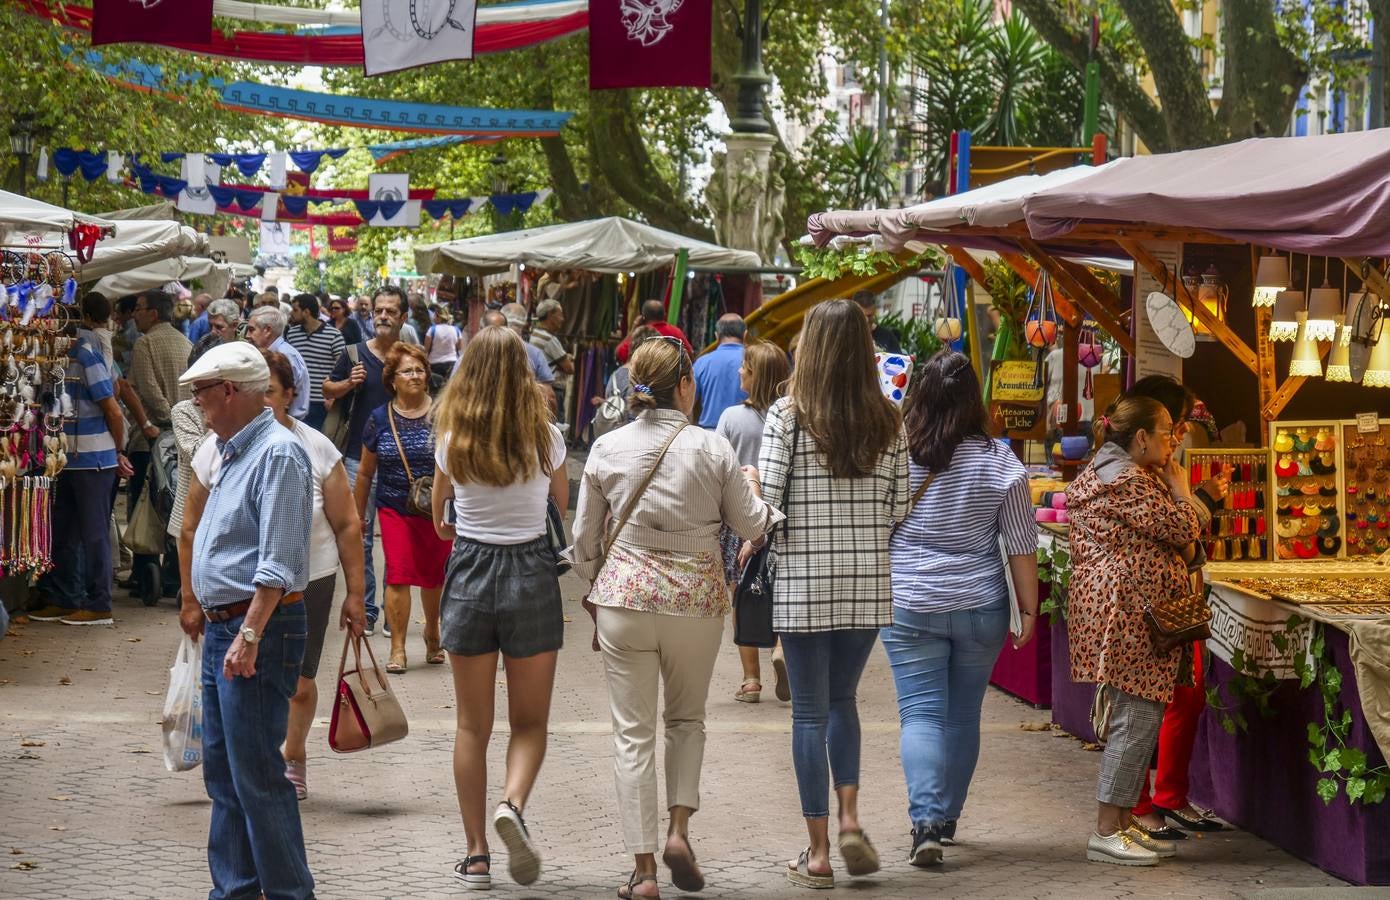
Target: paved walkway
88, 812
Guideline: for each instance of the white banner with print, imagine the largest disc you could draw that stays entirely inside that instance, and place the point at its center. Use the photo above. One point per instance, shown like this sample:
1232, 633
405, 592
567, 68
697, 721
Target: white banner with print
401, 34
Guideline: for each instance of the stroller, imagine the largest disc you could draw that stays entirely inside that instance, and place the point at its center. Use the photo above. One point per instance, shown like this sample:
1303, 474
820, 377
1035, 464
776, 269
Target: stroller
161, 483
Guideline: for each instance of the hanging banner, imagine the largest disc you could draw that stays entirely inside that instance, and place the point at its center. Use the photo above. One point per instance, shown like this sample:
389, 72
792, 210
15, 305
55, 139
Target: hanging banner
649, 43
275, 243
199, 174
402, 34
151, 21
387, 194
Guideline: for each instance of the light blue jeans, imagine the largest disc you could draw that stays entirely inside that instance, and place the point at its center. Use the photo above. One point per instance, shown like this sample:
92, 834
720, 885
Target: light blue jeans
368, 539
941, 666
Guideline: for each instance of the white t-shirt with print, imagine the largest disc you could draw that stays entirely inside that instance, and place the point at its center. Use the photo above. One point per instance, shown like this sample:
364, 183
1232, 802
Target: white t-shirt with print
514, 514
323, 456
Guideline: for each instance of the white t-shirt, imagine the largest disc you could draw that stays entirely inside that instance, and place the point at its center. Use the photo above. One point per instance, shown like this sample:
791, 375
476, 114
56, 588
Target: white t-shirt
323, 456
444, 343
513, 514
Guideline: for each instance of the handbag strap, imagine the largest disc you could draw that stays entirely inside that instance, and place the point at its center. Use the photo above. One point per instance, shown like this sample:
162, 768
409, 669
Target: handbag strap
916, 496
642, 489
391, 420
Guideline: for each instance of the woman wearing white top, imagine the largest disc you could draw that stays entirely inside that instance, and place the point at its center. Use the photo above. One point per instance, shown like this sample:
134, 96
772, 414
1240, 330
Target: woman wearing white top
442, 343
763, 377
334, 535
498, 462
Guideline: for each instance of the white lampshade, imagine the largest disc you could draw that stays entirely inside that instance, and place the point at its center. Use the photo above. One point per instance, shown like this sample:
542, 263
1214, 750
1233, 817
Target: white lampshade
1339, 362
1271, 277
1324, 307
1284, 325
1378, 367
1306, 360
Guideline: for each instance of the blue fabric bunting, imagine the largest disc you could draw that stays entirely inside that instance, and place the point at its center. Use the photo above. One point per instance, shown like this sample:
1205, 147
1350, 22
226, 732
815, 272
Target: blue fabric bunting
308, 160
506, 204
68, 161
438, 209
170, 157
368, 209
247, 164
295, 206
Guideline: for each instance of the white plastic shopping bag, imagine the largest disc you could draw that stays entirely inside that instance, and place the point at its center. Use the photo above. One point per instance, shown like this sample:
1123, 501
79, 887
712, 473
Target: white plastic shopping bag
183, 709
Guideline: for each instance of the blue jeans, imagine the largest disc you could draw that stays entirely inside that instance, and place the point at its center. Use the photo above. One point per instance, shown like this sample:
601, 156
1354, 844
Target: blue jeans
82, 571
255, 843
823, 668
368, 540
941, 666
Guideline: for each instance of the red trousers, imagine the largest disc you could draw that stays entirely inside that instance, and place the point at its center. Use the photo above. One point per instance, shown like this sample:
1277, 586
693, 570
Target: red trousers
1175, 739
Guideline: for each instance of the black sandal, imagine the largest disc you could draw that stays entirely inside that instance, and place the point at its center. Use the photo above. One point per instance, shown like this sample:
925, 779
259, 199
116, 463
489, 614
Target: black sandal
628, 891
1205, 823
475, 881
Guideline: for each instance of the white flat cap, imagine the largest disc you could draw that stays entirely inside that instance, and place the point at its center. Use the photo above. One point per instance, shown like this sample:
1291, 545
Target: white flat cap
233, 361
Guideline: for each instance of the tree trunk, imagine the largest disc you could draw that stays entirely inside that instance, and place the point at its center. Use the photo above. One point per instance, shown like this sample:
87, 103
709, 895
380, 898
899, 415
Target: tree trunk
1117, 84
1262, 79
1380, 65
1182, 94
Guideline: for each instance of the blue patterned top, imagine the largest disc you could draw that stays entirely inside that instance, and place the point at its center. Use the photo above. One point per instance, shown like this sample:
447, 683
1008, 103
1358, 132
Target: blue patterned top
90, 445
259, 500
417, 437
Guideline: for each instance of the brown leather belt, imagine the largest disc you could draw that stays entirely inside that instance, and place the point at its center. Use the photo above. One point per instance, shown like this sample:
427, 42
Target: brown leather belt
232, 610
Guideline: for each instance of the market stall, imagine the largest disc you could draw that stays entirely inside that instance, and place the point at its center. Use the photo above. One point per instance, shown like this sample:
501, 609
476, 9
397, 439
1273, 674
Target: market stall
1270, 255
601, 270
214, 277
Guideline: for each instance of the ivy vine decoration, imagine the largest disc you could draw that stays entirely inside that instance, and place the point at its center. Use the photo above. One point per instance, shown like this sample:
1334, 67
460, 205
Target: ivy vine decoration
1343, 767
860, 260
1250, 685
1054, 570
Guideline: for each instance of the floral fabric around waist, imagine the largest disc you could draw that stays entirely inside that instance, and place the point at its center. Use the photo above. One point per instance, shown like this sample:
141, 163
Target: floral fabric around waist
669, 582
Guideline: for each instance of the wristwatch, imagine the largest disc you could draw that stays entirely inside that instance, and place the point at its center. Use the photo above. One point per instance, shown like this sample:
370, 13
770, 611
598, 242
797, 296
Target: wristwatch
249, 635
148, 424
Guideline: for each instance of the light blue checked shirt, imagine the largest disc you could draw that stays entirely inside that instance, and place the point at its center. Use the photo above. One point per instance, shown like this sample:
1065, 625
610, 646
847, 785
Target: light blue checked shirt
255, 526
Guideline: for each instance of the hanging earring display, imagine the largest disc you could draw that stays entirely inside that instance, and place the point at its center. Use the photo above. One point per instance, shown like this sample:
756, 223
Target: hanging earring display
1238, 529
1308, 480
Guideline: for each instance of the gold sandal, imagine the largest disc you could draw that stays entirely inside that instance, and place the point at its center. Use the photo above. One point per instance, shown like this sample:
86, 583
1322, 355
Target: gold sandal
746, 695
396, 665
434, 653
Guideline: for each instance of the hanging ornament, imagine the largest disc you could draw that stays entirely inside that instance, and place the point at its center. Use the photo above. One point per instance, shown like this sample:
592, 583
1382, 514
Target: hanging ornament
1089, 352
1040, 322
947, 323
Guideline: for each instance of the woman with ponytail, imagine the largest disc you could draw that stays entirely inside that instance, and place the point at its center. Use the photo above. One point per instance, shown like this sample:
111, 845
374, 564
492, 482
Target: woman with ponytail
1132, 519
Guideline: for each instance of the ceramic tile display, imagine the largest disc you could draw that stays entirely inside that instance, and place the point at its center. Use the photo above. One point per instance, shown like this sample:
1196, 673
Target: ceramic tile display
1238, 528
1367, 490
1307, 485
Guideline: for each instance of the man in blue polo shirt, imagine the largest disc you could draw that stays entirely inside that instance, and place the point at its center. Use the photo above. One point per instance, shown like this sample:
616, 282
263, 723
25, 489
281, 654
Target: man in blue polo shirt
78, 588
716, 373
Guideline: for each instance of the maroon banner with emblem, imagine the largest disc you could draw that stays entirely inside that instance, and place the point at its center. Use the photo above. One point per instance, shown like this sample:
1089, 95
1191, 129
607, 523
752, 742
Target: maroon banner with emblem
151, 21
649, 43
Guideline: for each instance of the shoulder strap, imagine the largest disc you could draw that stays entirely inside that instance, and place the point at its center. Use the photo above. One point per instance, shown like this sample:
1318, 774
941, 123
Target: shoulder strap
642, 489
916, 496
391, 420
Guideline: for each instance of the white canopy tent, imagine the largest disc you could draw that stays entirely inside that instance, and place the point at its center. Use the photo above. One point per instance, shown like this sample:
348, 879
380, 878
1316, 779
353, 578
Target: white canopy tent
610, 245
214, 276
20, 215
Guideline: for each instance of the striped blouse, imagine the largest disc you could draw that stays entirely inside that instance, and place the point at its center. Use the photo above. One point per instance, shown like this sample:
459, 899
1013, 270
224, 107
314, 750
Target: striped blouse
946, 554
832, 559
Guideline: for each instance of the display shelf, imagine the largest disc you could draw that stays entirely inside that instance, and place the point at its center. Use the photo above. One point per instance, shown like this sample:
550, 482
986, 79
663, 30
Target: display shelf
1366, 490
1306, 482
1238, 528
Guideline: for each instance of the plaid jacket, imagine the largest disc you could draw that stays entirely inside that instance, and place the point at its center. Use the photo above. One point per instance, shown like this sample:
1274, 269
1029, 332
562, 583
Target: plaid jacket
832, 555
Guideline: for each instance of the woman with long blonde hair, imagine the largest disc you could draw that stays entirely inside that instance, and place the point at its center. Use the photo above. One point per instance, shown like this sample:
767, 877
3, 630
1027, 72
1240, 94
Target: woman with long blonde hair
834, 460
498, 458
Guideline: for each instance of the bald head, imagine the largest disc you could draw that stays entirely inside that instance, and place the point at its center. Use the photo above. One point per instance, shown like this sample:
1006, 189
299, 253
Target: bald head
653, 311
515, 314
730, 328
494, 318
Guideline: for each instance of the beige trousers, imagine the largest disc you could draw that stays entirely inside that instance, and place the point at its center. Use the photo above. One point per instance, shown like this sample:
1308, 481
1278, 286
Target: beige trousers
638, 649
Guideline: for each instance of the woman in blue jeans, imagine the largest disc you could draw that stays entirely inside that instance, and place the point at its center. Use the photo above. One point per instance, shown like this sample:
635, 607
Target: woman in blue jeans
950, 595
833, 458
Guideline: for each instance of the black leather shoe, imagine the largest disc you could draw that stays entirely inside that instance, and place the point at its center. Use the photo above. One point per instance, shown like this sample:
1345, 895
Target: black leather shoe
1166, 833
1182, 821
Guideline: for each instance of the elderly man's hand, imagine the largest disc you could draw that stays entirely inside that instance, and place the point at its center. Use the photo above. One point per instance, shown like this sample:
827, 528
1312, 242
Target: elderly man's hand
240, 661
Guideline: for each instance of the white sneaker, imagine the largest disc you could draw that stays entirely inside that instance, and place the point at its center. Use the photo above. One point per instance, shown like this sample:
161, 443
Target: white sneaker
1161, 848
1119, 849
523, 862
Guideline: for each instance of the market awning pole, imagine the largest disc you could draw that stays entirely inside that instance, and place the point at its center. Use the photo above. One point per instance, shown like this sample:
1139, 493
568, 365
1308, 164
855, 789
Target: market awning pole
673, 309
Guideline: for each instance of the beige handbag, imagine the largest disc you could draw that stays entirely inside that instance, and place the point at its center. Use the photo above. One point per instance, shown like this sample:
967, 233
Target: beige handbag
365, 712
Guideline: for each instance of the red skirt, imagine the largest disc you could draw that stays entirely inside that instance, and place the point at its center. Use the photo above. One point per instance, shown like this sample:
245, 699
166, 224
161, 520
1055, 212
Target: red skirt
415, 555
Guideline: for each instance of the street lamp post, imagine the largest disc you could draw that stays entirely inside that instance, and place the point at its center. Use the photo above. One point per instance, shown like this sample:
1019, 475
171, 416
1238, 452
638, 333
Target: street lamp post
22, 143
750, 193
751, 78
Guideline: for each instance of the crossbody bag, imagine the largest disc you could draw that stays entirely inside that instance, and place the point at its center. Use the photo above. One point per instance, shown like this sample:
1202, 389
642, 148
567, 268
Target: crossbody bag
418, 497
753, 595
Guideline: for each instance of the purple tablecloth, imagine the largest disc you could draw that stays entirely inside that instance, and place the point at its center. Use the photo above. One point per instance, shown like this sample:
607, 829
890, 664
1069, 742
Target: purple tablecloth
1262, 781
1071, 701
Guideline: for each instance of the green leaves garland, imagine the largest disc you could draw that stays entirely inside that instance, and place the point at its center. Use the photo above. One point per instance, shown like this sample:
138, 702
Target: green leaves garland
1343, 767
1054, 570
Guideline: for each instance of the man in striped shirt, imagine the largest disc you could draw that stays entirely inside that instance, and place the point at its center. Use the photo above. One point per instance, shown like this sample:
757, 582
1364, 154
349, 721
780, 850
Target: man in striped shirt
79, 586
320, 344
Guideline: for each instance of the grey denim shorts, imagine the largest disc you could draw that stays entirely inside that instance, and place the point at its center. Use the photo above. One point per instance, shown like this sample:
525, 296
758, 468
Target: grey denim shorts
501, 597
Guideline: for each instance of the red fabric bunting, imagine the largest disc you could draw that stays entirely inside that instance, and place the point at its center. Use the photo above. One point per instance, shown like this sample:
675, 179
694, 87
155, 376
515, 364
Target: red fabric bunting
314, 50
649, 43
150, 21
329, 193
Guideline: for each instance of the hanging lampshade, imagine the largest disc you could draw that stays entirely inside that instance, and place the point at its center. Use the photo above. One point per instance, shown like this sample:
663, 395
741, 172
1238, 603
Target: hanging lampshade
1284, 325
1324, 305
1306, 360
1378, 368
1339, 362
1356, 315
1271, 277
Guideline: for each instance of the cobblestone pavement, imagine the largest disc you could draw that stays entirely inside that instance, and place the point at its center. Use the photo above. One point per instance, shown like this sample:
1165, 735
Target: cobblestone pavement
88, 812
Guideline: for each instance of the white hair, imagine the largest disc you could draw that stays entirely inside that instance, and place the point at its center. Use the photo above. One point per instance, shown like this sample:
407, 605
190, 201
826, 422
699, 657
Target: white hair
225, 308
259, 386
270, 317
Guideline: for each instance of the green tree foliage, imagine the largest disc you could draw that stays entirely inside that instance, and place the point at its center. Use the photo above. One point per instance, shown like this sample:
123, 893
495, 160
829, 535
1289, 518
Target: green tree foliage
1271, 51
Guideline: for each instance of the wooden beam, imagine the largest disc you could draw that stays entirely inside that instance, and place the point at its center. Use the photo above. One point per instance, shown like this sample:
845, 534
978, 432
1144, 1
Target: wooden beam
1264, 353
1366, 270
1095, 286
1029, 273
1218, 328
1093, 306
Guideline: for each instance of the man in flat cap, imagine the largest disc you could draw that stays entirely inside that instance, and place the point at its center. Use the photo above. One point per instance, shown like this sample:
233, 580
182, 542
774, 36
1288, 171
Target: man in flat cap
249, 570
